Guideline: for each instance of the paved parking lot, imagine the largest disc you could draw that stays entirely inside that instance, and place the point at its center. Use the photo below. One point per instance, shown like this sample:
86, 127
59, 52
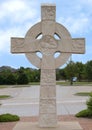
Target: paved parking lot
25, 101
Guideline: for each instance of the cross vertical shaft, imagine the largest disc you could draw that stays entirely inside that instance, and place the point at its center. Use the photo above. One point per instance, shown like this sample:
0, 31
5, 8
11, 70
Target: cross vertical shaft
48, 116
47, 110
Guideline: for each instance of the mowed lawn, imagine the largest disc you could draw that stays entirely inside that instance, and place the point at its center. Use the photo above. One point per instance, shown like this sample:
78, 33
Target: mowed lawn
62, 83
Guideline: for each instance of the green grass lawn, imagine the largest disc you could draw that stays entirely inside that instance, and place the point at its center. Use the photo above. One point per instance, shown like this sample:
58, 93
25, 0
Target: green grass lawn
5, 96
82, 94
4, 86
19, 86
66, 83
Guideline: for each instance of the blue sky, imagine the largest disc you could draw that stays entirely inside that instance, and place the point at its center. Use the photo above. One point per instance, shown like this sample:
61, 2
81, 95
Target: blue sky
17, 16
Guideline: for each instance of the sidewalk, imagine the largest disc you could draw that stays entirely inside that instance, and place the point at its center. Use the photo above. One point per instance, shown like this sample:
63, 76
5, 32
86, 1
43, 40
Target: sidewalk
85, 123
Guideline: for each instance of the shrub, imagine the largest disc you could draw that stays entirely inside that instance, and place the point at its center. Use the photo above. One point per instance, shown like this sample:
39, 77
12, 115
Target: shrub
8, 118
87, 112
84, 113
89, 102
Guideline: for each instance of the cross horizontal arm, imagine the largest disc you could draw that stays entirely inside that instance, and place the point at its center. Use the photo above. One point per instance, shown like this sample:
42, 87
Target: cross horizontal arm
32, 45
17, 45
21, 45
64, 45
76, 45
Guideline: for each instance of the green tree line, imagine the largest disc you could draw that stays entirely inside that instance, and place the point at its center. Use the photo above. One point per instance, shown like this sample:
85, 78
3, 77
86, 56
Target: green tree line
83, 72
19, 76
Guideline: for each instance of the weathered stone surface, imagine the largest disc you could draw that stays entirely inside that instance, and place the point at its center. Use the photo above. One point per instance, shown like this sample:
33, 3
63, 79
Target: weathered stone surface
47, 106
34, 31
48, 77
32, 57
48, 12
17, 45
48, 27
48, 120
48, 45
61, 126
78, 45
75, 45
48, 92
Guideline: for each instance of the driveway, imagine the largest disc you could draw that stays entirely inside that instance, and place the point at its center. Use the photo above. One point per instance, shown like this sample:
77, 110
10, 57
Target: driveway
25, 101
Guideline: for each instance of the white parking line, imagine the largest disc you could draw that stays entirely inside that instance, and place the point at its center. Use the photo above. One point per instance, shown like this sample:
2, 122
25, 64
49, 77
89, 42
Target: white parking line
36, 103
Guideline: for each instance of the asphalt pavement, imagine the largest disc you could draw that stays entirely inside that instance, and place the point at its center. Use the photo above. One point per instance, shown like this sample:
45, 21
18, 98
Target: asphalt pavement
25, 100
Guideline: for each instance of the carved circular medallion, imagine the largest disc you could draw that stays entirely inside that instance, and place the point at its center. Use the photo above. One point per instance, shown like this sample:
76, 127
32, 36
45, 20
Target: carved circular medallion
48, 44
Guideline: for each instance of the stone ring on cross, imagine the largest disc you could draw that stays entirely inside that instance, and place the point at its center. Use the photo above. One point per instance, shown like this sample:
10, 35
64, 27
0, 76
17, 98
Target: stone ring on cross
48, 45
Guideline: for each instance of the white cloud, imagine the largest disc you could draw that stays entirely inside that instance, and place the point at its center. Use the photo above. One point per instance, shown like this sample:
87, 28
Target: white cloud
17, 10
5, 39
76, 25
14, 20
86, 2
15, 31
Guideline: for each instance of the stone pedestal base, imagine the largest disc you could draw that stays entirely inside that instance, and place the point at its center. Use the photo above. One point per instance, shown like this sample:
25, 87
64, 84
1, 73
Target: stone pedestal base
61, 126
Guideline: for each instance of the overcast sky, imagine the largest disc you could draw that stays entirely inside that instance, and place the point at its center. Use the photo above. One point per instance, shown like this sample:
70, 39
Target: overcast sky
17, 16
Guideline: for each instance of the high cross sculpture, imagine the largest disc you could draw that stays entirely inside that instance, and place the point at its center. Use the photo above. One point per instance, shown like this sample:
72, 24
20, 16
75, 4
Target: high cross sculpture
48, 45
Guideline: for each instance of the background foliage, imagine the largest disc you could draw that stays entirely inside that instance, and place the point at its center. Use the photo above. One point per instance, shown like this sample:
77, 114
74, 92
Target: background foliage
9, 75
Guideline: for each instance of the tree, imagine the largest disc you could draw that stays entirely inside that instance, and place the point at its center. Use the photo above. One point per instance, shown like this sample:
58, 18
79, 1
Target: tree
80, 70
36, 75
11, 79
89, 70
22, 79
1, 80
4, 75
70, 71
60, 74
32, 74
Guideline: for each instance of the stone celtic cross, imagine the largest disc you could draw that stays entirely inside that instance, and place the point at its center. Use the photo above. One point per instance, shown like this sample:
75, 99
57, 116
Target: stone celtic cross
48, 45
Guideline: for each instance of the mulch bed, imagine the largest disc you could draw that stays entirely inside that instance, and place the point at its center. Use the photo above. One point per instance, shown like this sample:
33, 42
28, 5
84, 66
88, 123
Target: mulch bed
85, 123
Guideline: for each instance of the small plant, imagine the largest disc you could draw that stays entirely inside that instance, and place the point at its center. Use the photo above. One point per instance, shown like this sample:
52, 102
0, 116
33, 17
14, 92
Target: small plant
9, 118
87, 112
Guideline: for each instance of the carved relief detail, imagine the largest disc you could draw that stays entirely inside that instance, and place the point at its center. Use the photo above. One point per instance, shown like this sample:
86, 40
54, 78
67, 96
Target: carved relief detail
48, 92
47, 106
48, 77
78, 45
48, 45
17, 45
48, 12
